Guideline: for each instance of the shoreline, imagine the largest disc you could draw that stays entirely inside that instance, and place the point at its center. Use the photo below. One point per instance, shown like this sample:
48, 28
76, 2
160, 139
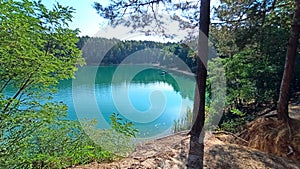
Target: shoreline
166, 69
177, 71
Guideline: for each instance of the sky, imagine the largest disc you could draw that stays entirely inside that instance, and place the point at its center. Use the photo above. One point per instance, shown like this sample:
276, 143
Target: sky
91, 24
85, 17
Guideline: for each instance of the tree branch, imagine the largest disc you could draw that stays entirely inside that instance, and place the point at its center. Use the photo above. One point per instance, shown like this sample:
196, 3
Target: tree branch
5, 84
18, 92
264, 11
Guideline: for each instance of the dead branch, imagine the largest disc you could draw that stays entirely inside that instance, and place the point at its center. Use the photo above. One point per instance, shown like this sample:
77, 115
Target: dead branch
229, 133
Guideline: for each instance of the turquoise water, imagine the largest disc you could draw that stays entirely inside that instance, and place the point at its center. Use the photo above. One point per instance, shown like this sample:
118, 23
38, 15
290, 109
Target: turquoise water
149, 97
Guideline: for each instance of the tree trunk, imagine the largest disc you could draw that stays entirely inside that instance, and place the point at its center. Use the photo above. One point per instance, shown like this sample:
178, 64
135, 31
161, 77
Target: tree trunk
282, 107
199, 102
196, 152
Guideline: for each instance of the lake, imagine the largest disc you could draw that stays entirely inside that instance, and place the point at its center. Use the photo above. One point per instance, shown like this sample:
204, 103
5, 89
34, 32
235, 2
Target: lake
150, 97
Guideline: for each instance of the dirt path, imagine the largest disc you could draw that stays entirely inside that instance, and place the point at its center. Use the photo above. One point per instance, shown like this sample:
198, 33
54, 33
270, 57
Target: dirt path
171, 152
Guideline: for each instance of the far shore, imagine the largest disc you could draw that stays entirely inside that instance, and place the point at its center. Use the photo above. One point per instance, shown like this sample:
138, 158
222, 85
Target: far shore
166, 69
188, 73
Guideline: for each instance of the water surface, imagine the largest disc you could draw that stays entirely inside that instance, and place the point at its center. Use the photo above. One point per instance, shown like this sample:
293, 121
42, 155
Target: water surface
150, 97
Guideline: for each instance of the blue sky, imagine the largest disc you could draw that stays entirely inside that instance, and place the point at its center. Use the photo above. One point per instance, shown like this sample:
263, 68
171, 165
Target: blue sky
91, 24
85, 18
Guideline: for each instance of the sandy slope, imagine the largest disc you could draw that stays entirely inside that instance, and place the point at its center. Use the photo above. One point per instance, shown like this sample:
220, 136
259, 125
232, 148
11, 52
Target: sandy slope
172, 151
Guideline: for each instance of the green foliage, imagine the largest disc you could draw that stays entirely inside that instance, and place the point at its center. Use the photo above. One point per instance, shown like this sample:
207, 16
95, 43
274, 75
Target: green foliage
254, 41
184, 123
237, 112
117, 139
38, 50
125, 128
234, 120
251, 77
59, 143
216, 93
251, 37
55, 144
62, 143
233, 125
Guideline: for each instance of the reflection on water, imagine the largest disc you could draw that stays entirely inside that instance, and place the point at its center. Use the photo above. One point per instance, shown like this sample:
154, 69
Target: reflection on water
144, 95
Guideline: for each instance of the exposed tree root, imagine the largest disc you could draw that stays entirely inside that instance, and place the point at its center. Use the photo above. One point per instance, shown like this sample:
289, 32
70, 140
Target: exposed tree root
273, 136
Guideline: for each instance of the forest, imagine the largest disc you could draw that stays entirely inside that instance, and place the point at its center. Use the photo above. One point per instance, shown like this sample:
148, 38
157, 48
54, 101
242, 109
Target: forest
257, 42
93, 48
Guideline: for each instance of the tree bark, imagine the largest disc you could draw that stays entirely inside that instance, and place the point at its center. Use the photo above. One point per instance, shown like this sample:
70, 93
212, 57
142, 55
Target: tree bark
282, 106
196, 152
199, 105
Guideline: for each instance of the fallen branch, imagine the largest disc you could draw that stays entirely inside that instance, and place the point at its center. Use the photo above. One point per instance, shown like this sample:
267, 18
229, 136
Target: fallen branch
229, 133
267, 110
270, 115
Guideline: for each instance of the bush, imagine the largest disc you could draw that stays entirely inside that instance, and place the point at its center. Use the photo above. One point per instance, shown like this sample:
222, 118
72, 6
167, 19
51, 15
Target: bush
61, 143
235, 124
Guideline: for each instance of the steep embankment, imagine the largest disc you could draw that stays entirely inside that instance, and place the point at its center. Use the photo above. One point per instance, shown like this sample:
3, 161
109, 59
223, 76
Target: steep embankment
273, 136
172, 151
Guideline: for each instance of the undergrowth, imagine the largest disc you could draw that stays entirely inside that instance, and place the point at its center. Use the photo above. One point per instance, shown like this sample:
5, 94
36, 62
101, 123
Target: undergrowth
64, 143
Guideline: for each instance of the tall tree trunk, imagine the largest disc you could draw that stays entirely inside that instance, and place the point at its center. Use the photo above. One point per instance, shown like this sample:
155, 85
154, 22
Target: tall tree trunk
199, 102
282, 107
196, 152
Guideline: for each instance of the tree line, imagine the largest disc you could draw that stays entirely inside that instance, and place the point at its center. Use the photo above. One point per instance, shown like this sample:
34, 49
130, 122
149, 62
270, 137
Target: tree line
103, 51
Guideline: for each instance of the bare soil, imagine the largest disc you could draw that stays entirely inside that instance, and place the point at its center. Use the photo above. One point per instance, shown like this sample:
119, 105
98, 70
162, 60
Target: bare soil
172, 151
